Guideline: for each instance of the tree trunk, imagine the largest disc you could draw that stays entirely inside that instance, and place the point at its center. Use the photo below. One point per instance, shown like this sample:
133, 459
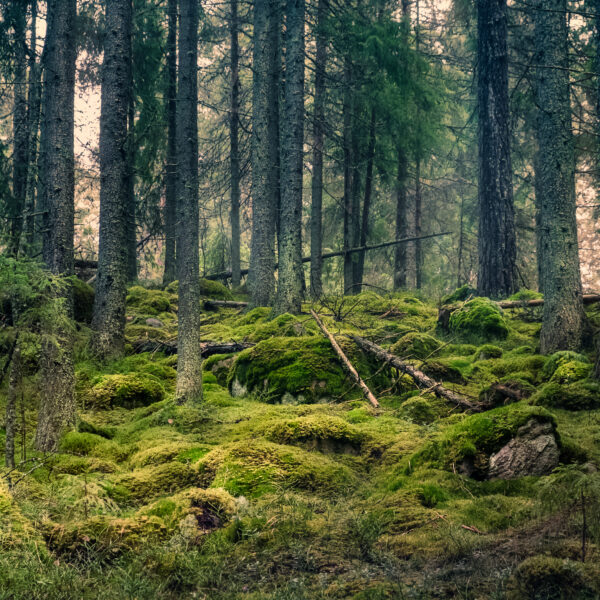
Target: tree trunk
563, 319
261, 277
539, 232
401, 223
289, 288
366, 212
497, 240
57, 404
418, 228
111, 281
316, 216
348, 174
234, 146
20, 130
14, 383
170, 214
189, 361
130, 223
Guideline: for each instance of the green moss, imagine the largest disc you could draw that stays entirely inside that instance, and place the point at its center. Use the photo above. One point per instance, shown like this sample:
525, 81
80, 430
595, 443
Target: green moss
76, 465
459, 295
321, 432
253, 468
148, 302
524, 295
550, 578
419, 410
478, 436
15, 530
285, 325
444, 370
158, 454
75, 442
488, 351
559, 358
581, 395
214, 290
479, 318
83, 301
571, 371
128, 391
149, 482
415, 345
457, 350
138, 332
219, 365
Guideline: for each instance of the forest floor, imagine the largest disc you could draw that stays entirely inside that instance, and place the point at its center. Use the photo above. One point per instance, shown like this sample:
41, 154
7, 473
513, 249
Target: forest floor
284, 483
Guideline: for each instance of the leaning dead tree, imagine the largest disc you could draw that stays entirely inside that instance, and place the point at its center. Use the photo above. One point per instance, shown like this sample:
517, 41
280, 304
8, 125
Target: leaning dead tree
422, 380
345, 362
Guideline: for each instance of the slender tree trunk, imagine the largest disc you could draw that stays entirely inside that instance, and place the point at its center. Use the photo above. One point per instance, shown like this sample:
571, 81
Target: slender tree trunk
366, 212
355, 191
497, 239
539, 231
418, 226
348, 174
563, 318
130, 227
234, 118
14, 382
401, 223
20, 131
316, 216
189, 361
111, 283
33, 122
57, 404
170, 214
261, 276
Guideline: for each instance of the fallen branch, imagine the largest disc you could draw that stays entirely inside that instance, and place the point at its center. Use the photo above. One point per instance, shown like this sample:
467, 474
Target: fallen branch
347, 364
170, 347
211, 304
366, 248
422, 380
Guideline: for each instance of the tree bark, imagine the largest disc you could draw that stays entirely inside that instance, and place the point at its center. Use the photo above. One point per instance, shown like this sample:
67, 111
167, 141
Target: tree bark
497, 239
111, 282
261, 278
170, 213
130, 223
316, 216
14, 381
401, 223
289, 287
234, 118
348, 173
563, 320
189, 361
57, 405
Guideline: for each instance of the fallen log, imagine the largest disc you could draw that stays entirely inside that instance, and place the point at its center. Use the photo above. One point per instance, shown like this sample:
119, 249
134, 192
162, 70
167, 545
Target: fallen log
366, 248
206, 348
347, 364
210, 304
422, 380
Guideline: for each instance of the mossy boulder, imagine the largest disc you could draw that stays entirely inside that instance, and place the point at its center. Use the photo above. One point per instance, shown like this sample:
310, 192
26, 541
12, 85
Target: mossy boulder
318, 432
83, 301
149, 302
157, 480
571, 371
459, 295
550, 578
254, 467
560, 358
214, 290
285, 325
581, 395
290, 370
123, 390
219, 365
479, 319
415, 345
418, 409
488, 351
468, 445
524, 295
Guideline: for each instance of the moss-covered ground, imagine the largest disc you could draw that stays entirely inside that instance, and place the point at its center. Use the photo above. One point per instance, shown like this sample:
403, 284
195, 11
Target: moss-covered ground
285, 484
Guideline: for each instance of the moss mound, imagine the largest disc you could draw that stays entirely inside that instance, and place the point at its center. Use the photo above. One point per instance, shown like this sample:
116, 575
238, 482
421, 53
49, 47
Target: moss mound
459, 295
477, 436
127, 391
149, 302
289, 370
254, 468
320, 432
15, 530
525, 295
83, 301
214, 290
488, 351
549, 578
419, 409
219, 365
479, 318
415, 345
560, 358
571, 371
582, 395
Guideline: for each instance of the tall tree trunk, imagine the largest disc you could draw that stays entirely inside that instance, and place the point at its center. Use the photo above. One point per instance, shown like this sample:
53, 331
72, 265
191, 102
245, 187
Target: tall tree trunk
20, 130
497, 276
418, 225
111, 283
366, 212
234, 117
289, 288
539, 231
189, 361
14, 382
348, 174
316, 215
401, 223
265, 180
130, 223
57, 405
34, 94
563, 318
170, 213
355, 191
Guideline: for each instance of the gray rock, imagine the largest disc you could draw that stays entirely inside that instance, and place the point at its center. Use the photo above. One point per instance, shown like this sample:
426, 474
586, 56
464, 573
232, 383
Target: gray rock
533, 451
152, 322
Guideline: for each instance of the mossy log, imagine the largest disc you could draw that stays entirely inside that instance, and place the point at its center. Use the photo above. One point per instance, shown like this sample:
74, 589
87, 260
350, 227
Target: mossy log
347, 364
206, 348
422, 380
211, 304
